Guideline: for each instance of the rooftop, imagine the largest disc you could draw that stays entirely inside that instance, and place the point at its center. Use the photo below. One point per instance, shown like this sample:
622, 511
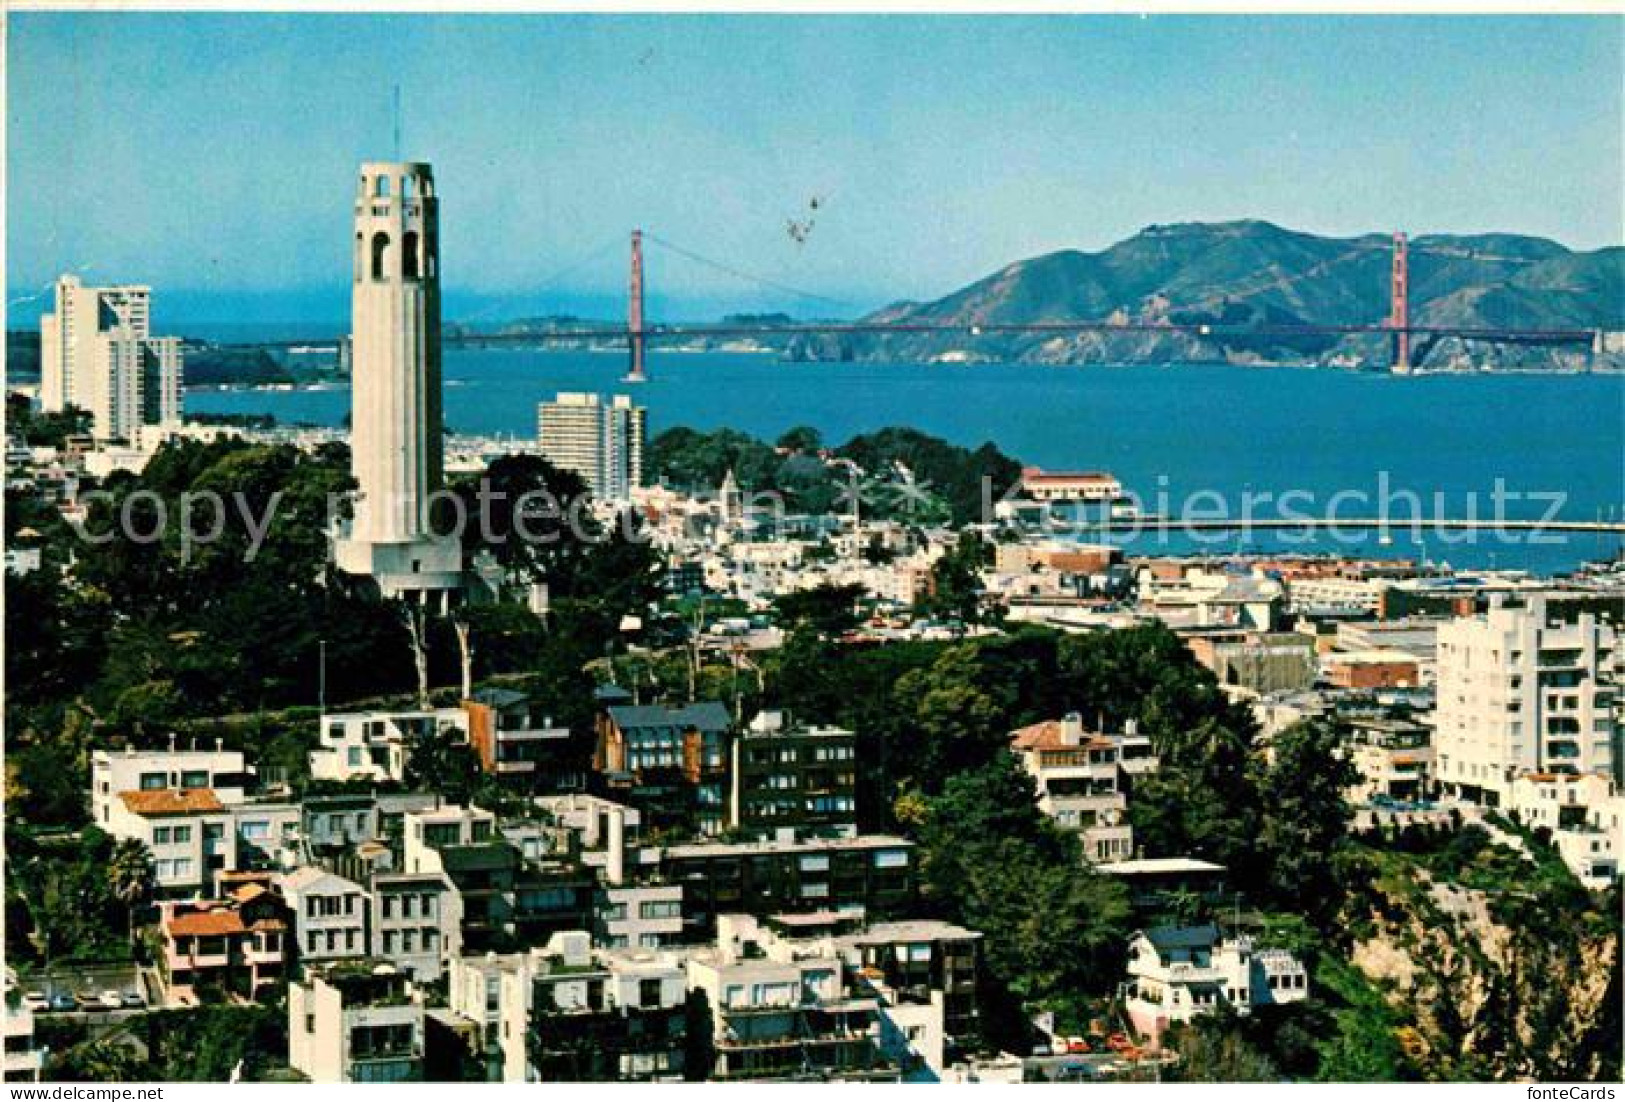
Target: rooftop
707, 715
171, 801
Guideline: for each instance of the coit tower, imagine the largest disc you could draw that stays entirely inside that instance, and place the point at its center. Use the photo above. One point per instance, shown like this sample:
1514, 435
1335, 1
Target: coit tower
396, 449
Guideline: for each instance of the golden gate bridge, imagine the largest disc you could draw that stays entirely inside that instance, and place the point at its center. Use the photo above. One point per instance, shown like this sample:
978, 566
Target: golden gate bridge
638, 334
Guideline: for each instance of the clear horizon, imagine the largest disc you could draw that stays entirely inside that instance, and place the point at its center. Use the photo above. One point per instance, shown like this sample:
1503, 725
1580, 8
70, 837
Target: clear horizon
939, 149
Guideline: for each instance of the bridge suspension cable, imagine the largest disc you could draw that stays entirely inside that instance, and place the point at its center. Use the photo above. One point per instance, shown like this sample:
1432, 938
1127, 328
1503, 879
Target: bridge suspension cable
739, 273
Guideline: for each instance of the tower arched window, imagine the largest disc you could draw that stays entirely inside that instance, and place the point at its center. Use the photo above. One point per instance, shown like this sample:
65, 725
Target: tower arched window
380, 187
380, 256
410, 268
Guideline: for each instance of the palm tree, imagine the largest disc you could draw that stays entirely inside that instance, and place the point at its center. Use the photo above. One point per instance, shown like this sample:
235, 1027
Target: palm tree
129, 871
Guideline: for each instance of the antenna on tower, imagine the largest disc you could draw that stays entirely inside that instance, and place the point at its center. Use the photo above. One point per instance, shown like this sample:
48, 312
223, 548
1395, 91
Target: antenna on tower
397, 122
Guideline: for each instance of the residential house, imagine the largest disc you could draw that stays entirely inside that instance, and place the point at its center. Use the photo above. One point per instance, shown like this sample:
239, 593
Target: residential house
238, 943
356, 1021
521, 747
671, 763
113, 772
874, 872
568, 1012
1585, 815
376, 746
1177, 973
1084, 780
190, 834
416, 922
781, 1009
330, 914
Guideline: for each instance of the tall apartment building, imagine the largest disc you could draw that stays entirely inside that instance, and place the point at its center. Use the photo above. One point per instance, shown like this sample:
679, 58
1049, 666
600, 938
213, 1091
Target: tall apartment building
1521, 690
602, 442
97, 352
788, 774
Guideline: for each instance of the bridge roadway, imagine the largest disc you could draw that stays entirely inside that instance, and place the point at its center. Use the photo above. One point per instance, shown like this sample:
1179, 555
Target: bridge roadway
657, 333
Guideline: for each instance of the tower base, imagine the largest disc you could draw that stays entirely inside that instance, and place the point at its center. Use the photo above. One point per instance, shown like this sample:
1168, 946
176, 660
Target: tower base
430, 568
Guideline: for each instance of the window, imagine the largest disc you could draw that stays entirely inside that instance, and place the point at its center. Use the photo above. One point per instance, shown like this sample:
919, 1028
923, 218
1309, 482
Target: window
661, 908
161, 836
648, 993
380, 254
409, 255
150, 781
891, 859
195, 778
183, 834
815, 862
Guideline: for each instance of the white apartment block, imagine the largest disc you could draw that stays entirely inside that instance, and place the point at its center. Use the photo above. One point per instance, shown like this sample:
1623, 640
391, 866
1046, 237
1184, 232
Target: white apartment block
567, 977
112, 772
1585, 815
178, 803
1522, 692
638, 916
97, 352
377, 745
356, 1022
330, 914
601, 441
416, 922
1178, 973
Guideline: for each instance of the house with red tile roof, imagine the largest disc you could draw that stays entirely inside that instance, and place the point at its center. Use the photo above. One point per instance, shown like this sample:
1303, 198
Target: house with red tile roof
239, 942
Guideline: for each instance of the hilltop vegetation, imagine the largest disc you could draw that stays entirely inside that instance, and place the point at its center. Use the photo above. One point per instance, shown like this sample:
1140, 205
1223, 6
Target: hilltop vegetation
906, 474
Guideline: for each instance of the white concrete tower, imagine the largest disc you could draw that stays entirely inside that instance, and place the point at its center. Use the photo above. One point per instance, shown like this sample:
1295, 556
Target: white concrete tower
395, 421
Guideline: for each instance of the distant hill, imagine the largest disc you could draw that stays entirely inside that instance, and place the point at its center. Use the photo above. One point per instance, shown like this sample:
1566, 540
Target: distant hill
1256, 272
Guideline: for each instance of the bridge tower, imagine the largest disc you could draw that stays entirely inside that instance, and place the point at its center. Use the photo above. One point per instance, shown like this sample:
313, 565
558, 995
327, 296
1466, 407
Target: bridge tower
634, 314
1399, 309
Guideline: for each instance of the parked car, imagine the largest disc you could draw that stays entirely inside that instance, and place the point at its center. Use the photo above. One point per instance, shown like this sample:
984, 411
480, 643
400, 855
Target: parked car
132, 1000
87, 1000
1042, 1050
112, 1000
63, 1000
1077, 1046
36, 1001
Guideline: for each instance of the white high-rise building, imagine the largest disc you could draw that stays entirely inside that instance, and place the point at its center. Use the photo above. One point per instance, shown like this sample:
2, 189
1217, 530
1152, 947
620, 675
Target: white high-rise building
602, 442
1520, 692
97, 352
396, 445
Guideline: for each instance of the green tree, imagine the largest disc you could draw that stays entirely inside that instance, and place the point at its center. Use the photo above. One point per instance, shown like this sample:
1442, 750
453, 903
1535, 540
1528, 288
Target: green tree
129, 872
991, 861
443, 764
955, 588
826, 610
1305, 817
1214, 1049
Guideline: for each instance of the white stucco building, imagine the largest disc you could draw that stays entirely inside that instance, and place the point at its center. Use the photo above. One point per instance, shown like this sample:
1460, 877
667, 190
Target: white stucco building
377, 745
1179, 972
97, 352
1084, 779
330, 914
1522, 691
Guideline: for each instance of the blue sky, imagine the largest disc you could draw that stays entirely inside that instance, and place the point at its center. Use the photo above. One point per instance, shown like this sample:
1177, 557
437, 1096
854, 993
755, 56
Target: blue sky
213, 156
